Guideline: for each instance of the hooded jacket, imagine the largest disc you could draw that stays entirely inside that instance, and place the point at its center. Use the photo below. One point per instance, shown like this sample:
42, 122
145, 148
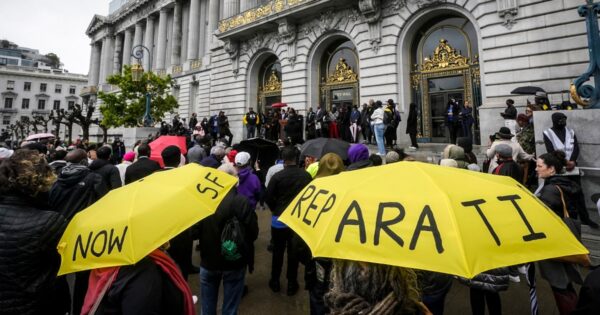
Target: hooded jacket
75, 189
358, 156
249, 186
550, 195
458, 154
110, 173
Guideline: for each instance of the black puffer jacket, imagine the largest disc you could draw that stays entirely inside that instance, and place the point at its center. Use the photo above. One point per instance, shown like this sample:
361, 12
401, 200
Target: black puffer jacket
494, 280
110, 173
28, 257
550, 195
75, 189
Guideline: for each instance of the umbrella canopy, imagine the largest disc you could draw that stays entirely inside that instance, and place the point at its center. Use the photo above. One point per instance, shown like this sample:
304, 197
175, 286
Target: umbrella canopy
279, 105
132, 221
264, 151
428, 217
39, 136
158, 145
527, 90
321, 146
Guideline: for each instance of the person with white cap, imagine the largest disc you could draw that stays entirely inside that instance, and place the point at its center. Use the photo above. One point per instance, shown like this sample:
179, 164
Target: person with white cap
249, 184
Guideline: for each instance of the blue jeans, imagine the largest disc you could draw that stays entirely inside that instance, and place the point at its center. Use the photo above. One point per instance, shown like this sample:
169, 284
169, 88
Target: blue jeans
233, 289
379, 130
251, 131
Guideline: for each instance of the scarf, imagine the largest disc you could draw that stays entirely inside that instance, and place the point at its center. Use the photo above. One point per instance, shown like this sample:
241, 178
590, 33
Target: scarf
101, 280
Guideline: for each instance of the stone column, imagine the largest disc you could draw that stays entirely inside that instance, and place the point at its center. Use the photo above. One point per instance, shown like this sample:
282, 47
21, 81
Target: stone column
103, 54
213, 20
202, 39
149, 43
194, 22
127, 45
117, 53
162, 39
248, 4
137, 39
232, 7
107, 58
176, 48
95, 64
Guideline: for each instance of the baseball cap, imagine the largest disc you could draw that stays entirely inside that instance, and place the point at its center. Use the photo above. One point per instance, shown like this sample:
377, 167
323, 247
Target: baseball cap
242, 158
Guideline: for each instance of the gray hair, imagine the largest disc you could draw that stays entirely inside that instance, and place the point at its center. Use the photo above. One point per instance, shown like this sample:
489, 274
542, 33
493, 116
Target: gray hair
217, 151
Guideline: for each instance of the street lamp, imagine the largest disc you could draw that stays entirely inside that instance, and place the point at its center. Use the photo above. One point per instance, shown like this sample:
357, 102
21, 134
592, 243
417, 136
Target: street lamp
137, 72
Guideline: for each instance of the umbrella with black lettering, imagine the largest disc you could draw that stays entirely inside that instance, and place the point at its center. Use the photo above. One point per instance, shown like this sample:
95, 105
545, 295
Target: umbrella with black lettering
428, 217
132, 221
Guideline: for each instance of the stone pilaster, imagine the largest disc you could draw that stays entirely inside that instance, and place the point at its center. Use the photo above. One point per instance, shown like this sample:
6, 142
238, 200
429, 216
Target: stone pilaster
232, 7
203, 17
95, 64
176, 41
248, 4
162, 39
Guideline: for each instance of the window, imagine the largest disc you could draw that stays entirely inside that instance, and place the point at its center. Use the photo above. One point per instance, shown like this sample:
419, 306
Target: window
72, 89
58, 88
25, 103
6, 120
71, 105
56, 105
27, 86
42, 87
41, 104
8, 102
10, 85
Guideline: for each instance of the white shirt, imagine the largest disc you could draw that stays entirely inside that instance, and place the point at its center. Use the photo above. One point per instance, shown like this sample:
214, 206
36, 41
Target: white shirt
377, 116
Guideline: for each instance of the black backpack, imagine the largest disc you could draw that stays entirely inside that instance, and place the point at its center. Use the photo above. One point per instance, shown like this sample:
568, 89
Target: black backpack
233, 243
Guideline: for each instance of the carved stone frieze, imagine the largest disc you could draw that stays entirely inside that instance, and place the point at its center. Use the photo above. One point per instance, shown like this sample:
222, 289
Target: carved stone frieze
329, 20
395, 5
371, 11
233, 49
288, 34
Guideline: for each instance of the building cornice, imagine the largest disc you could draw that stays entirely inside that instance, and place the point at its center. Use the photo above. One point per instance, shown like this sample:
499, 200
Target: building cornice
37, 73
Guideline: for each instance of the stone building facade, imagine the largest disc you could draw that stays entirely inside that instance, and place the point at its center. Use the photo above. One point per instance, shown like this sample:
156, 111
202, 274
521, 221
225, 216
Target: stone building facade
28, 91
234, 54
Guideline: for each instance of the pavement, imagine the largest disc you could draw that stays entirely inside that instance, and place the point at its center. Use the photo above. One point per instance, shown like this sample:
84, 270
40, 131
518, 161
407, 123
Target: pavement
261, 301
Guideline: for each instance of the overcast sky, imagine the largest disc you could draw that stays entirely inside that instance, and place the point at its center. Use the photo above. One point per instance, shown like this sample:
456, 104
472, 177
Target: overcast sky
56, 26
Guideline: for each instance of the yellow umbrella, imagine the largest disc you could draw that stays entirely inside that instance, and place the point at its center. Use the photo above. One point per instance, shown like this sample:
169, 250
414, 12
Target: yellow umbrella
132, 221
428, 217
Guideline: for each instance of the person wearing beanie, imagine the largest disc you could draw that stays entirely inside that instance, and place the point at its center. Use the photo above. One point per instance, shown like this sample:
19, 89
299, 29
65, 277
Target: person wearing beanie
504, 136
358, 156
392, 157
122, 167
448, 163
467, 145
506, 165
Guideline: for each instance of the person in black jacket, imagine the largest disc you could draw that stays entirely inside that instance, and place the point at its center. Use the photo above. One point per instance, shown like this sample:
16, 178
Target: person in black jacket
293, 129
76, 188
214, 267
142, 167
506, 165
411, 125
101, 166
30, 233
282, 189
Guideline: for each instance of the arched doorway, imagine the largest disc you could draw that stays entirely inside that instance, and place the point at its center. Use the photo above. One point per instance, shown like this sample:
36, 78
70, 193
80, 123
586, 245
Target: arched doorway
269, 87
445, 66
338, 73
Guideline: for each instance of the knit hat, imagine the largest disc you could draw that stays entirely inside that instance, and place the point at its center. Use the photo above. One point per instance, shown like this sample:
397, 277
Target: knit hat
392, 157
358, 152
448, 163
242, 159
129, 156
231, 156
503, 150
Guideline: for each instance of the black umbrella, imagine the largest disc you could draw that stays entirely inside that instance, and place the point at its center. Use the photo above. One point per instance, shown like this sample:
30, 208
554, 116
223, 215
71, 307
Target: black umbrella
527, 90
321, 146
264, 151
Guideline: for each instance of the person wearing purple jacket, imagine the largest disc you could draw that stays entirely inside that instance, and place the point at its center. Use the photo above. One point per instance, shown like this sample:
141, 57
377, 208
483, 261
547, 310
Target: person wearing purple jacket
249, 184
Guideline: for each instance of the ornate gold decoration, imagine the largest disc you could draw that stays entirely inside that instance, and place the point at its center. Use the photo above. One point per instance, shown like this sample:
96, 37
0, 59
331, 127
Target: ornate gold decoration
415, 81
254, 14
343, 74
576, 97
273, 84
475, 75
177, 69
444, 58
196, 64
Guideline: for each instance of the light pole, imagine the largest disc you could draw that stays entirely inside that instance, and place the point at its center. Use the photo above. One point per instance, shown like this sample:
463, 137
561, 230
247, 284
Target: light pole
137, 71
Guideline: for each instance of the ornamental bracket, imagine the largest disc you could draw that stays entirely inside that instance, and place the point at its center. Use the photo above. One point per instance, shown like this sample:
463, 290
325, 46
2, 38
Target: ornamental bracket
288, 34
371, 11
233, 49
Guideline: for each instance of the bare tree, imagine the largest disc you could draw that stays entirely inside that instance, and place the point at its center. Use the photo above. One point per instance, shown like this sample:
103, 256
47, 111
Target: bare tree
83, 117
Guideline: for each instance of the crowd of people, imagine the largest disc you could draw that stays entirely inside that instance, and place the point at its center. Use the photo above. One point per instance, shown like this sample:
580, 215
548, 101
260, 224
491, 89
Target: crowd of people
44, 184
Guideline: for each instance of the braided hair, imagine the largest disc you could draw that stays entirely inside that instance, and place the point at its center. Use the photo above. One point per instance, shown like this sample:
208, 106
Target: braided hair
367, 288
